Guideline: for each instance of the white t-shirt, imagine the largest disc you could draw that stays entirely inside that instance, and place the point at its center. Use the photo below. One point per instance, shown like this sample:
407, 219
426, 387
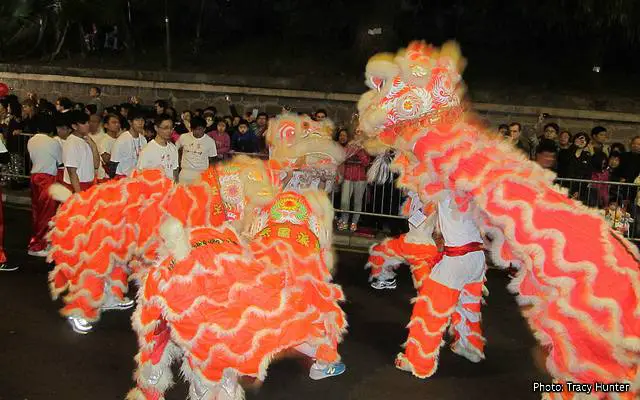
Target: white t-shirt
97, 137
155, 156
77, 153
196, 152
105, 145
458, 228
126, 152
45, 153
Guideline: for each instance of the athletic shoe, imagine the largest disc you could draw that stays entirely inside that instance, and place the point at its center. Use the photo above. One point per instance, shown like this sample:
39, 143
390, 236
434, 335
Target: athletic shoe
4, 267
40, 253
384, 284
80, 325
320, 371
469, 354
125, 304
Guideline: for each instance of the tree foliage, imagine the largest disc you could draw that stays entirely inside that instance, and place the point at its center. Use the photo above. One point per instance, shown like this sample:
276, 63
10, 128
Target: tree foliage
50, 25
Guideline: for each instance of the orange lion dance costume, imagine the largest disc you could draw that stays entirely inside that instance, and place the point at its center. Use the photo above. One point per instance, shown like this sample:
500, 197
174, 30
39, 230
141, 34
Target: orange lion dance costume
109, 232
228, 309
415, 248
580, 291
103, 235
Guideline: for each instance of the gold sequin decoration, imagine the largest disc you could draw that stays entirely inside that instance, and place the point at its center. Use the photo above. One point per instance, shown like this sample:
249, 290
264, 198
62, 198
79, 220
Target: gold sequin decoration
284, 232
266, 232
303, 239
211, 241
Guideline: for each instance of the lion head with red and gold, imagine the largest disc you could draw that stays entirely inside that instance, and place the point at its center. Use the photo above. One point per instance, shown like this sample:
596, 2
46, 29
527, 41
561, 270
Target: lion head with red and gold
300, 141
420, 85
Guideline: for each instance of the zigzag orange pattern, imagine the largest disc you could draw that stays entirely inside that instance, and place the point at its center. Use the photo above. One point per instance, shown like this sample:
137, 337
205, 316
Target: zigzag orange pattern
592, 330
228, 307
579, 279
109, 231
421, 257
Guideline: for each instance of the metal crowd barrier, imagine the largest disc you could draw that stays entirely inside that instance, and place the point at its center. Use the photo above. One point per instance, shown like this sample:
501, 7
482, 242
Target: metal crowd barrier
617, 201
381, 203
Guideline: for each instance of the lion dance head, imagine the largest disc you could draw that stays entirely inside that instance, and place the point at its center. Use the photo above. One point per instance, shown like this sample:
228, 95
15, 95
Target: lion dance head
295, 139
419, 84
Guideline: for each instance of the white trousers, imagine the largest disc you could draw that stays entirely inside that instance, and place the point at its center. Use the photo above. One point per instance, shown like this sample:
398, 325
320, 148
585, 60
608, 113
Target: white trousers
457, 272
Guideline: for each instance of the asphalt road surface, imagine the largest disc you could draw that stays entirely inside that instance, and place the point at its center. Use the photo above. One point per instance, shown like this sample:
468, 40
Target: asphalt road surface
41, 358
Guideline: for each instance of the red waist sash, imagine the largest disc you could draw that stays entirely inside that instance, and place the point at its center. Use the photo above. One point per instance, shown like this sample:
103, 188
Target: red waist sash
459, 251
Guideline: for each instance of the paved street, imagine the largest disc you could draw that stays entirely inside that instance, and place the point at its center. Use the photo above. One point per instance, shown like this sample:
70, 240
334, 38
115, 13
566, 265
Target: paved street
42, 359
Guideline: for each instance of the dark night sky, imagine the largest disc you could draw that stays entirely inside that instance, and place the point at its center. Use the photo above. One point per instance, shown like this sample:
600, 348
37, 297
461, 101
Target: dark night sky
547, 42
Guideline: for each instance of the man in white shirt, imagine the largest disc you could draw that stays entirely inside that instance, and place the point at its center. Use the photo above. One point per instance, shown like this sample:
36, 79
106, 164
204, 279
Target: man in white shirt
106, 143
79, 154
4, 267
197, 151
46, 154
127, 148
160, 153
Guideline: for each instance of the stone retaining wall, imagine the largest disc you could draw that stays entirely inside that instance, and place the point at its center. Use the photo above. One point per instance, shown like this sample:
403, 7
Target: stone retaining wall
198, 90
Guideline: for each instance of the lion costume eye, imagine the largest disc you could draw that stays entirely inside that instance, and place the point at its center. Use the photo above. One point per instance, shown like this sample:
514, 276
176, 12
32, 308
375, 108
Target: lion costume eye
376, 83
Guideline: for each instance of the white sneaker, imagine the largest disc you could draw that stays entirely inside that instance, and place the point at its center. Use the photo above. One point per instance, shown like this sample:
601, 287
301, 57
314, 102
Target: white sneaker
4, 267
320, 371
80, 325
41, 253
113, 304
469, 354
380, 284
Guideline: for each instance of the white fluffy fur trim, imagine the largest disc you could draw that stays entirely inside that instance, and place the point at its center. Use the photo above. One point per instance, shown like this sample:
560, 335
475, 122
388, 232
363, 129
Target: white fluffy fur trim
381, 66
146, 370
175, 238
60, 192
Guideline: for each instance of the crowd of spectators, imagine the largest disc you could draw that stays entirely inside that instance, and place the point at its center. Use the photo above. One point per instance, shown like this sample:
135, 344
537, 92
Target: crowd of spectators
596, 172
231, 133
581, 160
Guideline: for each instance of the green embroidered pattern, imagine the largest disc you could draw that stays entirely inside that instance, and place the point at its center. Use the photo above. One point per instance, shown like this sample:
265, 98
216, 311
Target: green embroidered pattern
289, 203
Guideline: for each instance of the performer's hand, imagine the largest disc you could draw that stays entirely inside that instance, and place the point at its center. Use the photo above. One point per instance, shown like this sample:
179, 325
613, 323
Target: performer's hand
439, 242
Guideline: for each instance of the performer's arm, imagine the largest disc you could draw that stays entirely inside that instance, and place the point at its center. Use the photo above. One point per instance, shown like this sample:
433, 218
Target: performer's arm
73, 177
94, 151
437, 234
